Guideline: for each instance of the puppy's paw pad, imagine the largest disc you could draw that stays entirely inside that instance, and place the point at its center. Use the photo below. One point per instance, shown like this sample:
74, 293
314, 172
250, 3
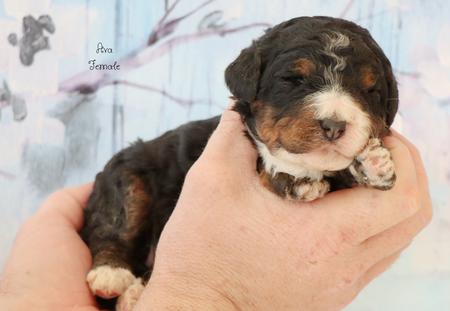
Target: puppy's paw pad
310, 190
129, 298
374, 167
108, 282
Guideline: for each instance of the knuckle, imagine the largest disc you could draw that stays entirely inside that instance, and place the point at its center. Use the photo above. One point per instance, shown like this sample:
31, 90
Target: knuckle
230, 115
341, 238
427, 215
411, 191
325, 246
193, 171
196, 173
409, 204
347, 235
57, 196
414, 150
207, 176
28, 227
52, 196
351, 274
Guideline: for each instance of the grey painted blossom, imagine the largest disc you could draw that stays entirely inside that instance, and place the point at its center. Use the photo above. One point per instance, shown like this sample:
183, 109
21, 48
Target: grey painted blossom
33, 39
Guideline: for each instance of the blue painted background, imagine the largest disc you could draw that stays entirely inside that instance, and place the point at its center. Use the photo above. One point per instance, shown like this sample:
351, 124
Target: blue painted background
66, 137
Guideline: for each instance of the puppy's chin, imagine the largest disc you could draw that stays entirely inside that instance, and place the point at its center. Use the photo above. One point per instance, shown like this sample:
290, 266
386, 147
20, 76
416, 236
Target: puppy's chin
330, 156
327, 158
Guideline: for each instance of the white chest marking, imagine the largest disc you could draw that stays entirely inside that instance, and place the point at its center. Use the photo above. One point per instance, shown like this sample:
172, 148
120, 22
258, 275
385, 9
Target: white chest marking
275, 164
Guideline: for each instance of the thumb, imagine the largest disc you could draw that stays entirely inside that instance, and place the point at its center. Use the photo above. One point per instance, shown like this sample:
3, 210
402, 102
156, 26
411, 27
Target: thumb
230, 144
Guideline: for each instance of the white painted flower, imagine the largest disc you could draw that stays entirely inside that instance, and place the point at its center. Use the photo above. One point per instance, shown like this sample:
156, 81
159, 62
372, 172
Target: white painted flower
434, 67
49, 65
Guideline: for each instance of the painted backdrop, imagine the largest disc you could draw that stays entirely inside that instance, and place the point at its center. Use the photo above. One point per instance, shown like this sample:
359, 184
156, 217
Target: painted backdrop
60, 121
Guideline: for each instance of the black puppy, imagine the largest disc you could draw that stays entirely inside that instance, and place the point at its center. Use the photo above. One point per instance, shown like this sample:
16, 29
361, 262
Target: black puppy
316, 95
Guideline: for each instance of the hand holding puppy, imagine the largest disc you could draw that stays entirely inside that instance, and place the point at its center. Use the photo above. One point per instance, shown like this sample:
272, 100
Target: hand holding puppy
231, 244
47, 266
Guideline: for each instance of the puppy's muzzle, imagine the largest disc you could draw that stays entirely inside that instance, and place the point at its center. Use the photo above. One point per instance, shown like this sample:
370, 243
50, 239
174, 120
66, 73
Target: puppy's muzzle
332, 129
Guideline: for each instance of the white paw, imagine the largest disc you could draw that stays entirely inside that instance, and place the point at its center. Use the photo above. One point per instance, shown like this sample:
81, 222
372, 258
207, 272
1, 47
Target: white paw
129, 298
310, 190
108, 282
374, 166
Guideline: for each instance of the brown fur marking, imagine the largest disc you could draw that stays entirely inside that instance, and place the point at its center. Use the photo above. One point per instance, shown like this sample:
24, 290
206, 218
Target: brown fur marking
136, 207
304, 66
280, 184
266, 179
378, 127
297, 133
368, 77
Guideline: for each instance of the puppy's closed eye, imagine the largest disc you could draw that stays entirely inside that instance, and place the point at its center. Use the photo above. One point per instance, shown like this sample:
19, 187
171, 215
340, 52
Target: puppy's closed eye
296, 79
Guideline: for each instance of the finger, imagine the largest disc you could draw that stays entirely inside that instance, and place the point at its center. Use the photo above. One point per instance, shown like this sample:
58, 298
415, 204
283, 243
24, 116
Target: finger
422, 178
359, 213
229, 143
49, 251
404, 163
378, 269
393, 239
80, 193
420, 170
48, 256
66, 205
398, 236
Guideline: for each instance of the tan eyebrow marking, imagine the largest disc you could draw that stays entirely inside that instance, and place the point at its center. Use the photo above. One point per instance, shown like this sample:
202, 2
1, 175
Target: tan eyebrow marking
304, 66
368, 77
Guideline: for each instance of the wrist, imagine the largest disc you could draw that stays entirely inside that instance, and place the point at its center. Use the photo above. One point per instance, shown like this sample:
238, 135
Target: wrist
177, 293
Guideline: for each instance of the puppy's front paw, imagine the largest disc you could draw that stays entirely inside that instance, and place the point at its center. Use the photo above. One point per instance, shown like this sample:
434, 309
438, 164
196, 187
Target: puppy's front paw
287, 186
374, 166
308, 190
129, 298
108, 282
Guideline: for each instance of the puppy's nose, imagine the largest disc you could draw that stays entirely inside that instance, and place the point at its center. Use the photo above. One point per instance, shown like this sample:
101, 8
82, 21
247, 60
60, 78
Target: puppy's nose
332, 129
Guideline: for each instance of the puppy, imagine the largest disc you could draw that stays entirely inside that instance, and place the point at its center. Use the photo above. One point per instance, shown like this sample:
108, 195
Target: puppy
316, 95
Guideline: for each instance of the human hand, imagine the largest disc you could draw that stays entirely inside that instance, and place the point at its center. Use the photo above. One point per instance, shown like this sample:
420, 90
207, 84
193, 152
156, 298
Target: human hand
48, 263
231, 244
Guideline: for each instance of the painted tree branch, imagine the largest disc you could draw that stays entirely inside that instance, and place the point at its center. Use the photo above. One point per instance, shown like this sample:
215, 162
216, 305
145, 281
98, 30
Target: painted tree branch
160, 42
7, 175
163, 28
346, 8
90, 81
178, 100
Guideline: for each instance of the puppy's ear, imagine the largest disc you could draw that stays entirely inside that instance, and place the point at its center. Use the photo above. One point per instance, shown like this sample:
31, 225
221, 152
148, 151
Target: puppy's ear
392, 96
391, 101
242, 75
